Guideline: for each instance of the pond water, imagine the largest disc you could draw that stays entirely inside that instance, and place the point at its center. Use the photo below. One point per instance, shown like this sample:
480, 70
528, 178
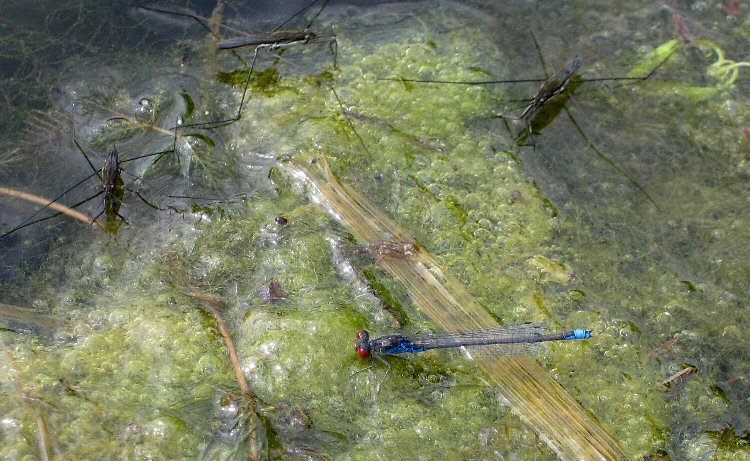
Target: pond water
626, 211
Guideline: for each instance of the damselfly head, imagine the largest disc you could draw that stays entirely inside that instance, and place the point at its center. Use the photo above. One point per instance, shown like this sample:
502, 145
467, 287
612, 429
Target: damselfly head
362, 345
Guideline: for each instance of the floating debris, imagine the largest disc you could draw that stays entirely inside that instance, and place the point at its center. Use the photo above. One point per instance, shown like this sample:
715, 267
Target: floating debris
273, 292
679, 377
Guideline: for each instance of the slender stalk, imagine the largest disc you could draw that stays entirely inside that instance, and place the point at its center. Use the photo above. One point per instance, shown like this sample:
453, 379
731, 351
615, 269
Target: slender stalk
214, 304
130, 119
45, 201
42, 438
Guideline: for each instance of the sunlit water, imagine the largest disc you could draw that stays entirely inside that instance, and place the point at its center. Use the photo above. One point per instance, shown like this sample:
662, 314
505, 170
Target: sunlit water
628, 215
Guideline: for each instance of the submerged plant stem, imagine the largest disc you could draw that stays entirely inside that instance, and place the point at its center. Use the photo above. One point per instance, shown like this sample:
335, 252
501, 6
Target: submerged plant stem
49, 203
130, 119
42, 438
213, 304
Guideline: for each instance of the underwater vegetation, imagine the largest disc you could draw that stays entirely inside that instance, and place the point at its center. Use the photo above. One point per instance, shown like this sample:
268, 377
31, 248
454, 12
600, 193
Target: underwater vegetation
217, 319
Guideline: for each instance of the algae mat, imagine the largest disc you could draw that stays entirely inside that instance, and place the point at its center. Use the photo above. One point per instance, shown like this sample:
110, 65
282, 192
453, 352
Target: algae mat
113, 345
523, 384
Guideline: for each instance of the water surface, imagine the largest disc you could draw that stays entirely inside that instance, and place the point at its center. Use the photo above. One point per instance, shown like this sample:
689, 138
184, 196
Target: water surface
628, 215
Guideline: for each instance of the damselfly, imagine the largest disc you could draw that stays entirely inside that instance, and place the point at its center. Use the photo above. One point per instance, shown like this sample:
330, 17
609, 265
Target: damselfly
507, 340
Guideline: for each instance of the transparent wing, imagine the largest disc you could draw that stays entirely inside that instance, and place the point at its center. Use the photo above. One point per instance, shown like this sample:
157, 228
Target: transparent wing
524, 333
516, 340
503, 350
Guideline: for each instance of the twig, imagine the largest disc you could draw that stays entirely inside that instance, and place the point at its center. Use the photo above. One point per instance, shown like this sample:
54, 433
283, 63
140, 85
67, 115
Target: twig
42, 438
214, 304
49, 203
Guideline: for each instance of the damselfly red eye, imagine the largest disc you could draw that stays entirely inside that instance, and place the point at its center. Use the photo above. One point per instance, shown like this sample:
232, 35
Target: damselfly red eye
362, 345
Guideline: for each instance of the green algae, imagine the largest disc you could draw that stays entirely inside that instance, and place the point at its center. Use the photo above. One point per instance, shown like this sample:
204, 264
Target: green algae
297, 353
724, 71
654, 59
142, 366
106, 397
267, 82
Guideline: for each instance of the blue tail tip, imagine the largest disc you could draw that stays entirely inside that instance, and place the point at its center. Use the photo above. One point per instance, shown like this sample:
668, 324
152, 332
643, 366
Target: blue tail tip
580, 334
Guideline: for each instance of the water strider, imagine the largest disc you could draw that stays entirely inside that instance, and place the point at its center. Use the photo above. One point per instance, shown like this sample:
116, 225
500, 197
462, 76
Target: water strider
272, 42
556, 84
277, 39
535, 115
508, 340
112, 186
552, 85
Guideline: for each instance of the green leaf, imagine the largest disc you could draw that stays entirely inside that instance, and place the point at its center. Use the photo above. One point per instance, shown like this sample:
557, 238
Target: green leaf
202, 137
654, 59
694, 93
189, 105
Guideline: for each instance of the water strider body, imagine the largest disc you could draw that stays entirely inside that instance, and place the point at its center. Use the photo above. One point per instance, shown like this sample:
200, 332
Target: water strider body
551, 87
113, 187
279, 39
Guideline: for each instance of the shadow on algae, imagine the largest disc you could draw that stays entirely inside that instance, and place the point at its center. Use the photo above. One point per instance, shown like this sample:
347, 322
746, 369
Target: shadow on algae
110, 350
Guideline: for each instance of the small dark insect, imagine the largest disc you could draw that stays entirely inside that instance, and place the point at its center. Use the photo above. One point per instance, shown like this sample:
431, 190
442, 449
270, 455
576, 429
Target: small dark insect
281, 221
273, 292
